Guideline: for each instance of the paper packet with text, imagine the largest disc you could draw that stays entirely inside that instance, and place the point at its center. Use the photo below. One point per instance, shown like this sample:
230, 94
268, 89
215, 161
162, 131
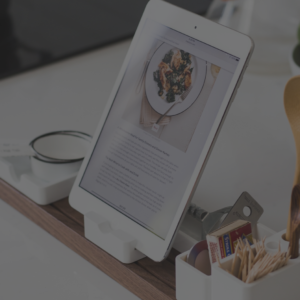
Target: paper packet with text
222, 241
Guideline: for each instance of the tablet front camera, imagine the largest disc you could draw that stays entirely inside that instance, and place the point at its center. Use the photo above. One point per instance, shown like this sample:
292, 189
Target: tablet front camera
195, 27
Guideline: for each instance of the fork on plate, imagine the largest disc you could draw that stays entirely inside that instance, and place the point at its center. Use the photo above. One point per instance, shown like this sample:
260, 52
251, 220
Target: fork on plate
180, 100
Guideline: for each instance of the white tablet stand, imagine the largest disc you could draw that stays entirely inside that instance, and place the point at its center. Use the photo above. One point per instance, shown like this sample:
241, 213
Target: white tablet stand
117, 242
121, 244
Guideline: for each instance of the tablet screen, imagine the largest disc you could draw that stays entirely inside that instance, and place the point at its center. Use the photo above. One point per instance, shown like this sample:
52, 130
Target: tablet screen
157, 126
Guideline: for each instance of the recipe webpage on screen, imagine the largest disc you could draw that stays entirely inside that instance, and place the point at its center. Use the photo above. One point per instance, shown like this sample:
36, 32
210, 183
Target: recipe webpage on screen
144, 157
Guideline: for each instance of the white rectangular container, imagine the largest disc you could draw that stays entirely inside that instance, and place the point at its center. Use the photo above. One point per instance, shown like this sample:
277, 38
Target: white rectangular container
192, 284
278, 285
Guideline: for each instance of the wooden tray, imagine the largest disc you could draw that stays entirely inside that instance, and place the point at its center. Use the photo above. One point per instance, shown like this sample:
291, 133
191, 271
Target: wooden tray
145, 278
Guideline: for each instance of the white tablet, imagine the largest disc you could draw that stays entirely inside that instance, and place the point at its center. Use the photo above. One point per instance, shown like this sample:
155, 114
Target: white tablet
160, 123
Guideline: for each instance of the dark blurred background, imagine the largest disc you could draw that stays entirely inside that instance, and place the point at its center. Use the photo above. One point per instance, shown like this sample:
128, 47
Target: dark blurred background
37, 32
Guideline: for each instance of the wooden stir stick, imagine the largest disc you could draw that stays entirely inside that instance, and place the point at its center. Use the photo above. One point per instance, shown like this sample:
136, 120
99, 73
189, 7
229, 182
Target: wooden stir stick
292, 110
295, 222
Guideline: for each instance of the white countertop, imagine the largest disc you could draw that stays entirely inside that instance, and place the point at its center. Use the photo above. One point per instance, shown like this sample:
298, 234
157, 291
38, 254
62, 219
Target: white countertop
254, 152
35, 265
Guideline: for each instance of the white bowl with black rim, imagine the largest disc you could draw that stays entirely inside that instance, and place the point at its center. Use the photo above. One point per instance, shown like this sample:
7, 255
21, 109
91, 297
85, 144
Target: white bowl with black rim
58, 154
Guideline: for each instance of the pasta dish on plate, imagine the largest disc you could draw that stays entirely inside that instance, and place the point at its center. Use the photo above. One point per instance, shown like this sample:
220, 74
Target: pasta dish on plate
174, 74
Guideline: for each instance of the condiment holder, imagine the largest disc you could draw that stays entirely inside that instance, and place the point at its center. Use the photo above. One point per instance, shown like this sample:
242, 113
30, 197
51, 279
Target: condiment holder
194, 285
280, 284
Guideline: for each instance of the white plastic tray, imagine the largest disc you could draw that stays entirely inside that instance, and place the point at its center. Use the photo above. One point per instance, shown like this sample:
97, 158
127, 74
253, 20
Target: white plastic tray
17, 172
194, 285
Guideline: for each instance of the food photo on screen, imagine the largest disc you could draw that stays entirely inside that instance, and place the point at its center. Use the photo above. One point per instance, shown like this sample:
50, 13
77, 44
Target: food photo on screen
175, 82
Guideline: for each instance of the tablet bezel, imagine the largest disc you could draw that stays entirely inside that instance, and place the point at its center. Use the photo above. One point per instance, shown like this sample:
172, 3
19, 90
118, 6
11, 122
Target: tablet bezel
214, 35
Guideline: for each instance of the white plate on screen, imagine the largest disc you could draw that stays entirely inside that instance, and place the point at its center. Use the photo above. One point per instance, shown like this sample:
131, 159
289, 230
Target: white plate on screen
161, 105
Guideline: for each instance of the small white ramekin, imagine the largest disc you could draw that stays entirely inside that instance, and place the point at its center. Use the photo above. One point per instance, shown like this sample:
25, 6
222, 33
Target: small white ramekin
58, 154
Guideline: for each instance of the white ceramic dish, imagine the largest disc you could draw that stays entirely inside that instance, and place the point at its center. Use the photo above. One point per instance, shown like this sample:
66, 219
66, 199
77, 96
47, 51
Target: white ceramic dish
61, 145
58, 154
50, 170
161, 105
